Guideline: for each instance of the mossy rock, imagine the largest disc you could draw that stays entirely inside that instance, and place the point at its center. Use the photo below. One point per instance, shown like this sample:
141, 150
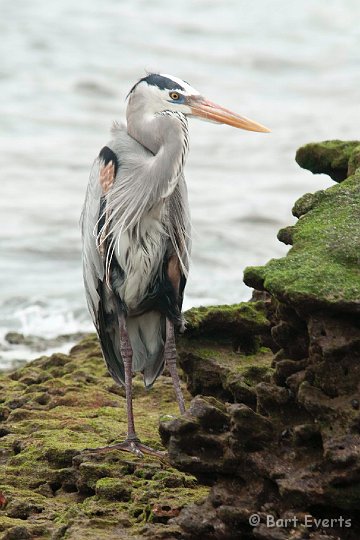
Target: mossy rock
322, 269
226, 320
338, 159
220, 371
52, 409
245, 326
113, 489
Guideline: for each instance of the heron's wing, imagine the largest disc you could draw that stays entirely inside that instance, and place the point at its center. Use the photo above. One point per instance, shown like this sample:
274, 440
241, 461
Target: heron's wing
109, 332
102, 303
180, 233
93, 267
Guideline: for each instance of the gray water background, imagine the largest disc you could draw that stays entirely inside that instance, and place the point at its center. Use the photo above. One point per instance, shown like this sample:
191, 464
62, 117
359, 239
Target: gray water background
65, 70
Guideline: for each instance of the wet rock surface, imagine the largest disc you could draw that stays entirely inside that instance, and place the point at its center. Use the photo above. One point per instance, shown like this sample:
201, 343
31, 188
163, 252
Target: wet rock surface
272, 426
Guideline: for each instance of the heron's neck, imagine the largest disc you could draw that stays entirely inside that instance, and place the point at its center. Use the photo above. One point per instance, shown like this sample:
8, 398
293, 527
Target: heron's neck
166, 136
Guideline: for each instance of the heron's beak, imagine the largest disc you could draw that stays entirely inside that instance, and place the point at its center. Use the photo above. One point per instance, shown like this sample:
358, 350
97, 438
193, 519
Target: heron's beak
208, 110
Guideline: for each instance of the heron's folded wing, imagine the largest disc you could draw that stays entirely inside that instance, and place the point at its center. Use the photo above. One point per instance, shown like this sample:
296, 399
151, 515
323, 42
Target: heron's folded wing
100, 298
93, 264
180, 232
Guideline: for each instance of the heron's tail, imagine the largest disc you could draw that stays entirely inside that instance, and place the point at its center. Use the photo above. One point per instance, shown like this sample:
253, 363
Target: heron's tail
147, 334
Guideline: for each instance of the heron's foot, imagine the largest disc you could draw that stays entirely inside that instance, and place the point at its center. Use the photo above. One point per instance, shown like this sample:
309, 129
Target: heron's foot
135, 446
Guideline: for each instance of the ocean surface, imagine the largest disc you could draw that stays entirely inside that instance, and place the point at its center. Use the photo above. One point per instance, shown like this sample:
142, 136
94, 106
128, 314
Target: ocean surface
65, 70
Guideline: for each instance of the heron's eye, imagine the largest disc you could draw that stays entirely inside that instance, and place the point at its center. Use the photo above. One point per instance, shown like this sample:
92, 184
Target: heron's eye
174, 95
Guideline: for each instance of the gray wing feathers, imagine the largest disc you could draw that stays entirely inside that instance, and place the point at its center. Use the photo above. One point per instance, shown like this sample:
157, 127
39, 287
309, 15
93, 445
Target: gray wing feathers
93, 267
179, 225
107, 326
100, 299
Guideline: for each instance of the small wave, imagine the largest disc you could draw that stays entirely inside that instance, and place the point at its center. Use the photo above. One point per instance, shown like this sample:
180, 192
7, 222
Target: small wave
57, 323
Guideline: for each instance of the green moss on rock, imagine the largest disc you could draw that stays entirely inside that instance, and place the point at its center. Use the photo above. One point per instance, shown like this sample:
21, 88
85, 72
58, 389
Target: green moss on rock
116, 489
210, 321
244, 325
52, 409
330, 157
219, 370
322, 267
307, 202
354, 161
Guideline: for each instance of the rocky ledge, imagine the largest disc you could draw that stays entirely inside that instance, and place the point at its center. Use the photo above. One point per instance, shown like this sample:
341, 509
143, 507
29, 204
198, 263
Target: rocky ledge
272, 429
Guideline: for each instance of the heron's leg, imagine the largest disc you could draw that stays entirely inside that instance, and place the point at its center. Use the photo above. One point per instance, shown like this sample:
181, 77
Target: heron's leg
132, 443
170, 359
127, 353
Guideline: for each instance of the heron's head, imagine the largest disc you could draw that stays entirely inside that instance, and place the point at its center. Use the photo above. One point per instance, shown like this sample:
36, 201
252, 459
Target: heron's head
156, 93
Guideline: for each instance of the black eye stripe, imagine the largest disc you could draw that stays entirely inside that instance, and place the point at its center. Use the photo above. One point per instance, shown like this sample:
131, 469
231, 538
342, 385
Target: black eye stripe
161, 82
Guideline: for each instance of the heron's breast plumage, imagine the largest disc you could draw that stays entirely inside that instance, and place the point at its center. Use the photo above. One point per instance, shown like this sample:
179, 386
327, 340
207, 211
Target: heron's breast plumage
140, 252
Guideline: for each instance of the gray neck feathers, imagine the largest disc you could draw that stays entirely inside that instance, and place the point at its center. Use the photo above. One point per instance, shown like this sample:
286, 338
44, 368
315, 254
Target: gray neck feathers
165, 135
152, 160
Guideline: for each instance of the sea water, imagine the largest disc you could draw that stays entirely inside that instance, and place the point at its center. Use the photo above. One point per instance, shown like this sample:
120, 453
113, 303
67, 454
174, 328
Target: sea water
65, 71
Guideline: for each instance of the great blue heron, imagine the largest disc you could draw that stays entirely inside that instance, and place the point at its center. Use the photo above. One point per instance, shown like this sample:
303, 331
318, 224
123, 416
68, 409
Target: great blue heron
136, 233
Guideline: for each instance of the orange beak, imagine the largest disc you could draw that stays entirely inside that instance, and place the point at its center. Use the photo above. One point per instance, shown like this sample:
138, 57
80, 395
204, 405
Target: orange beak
208, 110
